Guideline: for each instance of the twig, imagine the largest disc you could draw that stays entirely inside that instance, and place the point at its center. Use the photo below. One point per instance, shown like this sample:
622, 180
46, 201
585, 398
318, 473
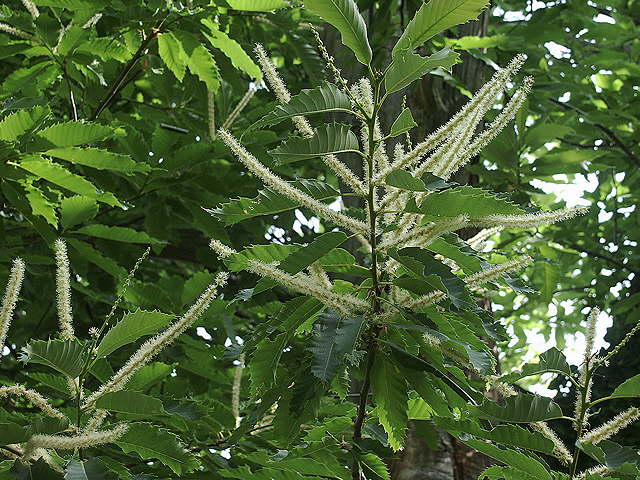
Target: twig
120, 81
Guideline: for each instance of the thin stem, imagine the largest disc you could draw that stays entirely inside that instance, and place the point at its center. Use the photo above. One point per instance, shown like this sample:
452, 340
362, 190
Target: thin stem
375, 284
581, 420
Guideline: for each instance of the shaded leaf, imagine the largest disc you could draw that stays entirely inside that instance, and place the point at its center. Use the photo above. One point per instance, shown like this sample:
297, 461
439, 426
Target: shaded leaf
132, 326
405, 69
344, 15
334, 336
65, 356
327, 139
130, 402
432, 18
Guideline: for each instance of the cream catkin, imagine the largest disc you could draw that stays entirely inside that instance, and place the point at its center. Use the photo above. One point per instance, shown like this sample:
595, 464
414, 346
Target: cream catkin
477, 241
560, 450
240, 106
61, 442
10, 299
613, 426
33, 397
15, 31
281, 92
528, 220
495, 85
31, 8
211, 114
63, 290
345, 304
153, 346
597, 470
285, 188
590, 336
423, 236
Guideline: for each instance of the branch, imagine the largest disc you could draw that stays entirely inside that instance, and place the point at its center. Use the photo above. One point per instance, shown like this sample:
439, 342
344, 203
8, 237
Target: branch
120, 82
610, 133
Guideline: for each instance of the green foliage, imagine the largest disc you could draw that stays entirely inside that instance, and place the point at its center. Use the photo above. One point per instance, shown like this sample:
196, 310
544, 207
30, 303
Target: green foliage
108, 140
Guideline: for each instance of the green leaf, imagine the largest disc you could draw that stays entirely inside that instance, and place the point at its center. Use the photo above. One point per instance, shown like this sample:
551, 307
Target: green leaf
421, 263
334, 336
172, 54
269, 202
151, 442
553, 360
20, 122
523, 408
40, 205
299, 259
132, 326
62, 177
434, 17
524, 463
467, 200
390, 397
630, 388
372, 466
273, 252
403, 123
322, 99
68, 134
538, 135
614, 456
130, 402
65, 356
201, 63
506, 434
231, 49
264, 363
256, 5
327, 139
93, 256
344, 15
99, 159
77, 209
39, 470
405, 69
12, 433
404, 180
117, 234
497, 472
148, 376
93, 469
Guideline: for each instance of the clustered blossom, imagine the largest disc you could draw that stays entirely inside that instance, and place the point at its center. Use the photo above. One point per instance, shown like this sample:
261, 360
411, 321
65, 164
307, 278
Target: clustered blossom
613, 426
10, 299
153, 346
63, 290
301, 123
560, 450
63, 442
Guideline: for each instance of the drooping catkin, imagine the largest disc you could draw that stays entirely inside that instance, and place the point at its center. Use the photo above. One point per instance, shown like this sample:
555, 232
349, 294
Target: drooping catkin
613, 426
63, 442
156, 344
10, 299
63, 290
285, 188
